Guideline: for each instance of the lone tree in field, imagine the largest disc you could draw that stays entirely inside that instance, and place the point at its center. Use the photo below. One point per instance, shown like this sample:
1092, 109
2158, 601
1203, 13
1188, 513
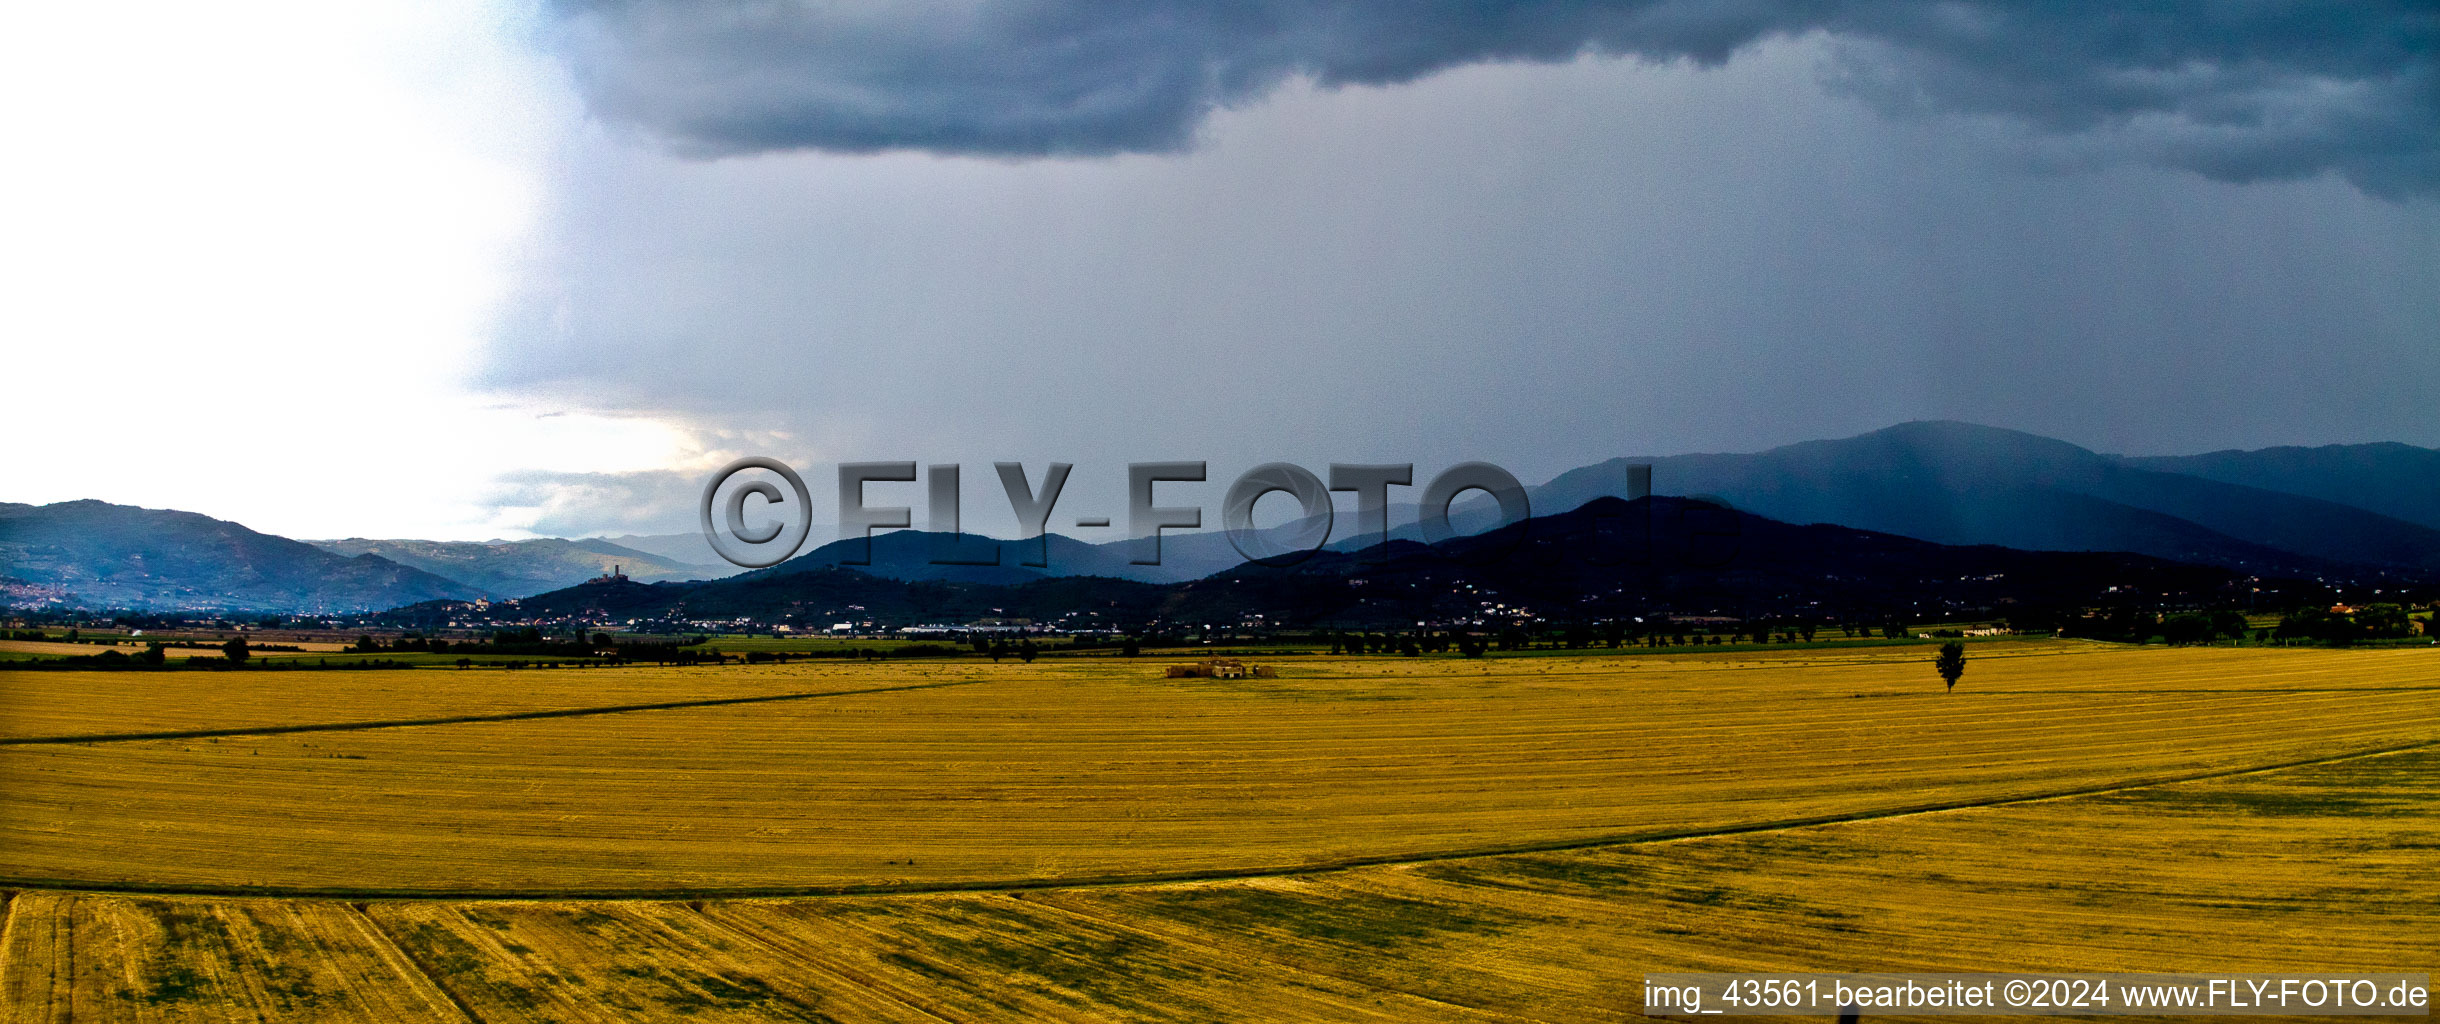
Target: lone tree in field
1951, 663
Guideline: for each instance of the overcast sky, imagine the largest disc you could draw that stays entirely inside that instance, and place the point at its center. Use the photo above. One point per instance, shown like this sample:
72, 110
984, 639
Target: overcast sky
470, 270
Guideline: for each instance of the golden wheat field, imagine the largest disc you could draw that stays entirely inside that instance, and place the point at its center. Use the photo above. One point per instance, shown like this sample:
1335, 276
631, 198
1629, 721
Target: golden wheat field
1513, 839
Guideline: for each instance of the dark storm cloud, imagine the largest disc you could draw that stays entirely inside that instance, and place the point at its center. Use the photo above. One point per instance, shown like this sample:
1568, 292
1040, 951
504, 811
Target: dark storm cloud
2235, 90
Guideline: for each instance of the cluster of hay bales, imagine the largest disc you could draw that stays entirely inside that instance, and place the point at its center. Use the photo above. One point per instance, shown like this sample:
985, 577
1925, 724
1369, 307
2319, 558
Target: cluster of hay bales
1222, 668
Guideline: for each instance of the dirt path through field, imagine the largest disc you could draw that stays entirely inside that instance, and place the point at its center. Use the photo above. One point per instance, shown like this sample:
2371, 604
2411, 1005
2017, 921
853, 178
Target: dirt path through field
513, 716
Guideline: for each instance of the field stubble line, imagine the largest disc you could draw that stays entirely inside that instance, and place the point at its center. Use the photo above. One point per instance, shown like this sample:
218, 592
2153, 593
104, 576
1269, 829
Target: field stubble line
884, 993
407, 958
509, 716
1168, 877
1282, 965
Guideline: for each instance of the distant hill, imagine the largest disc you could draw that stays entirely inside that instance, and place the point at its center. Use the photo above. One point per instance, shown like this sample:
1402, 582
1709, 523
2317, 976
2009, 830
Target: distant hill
679, 548
1946, 482
2396, 480
1589, 563
516, 568
1704, 560
100, 555
1958, 483
908, 554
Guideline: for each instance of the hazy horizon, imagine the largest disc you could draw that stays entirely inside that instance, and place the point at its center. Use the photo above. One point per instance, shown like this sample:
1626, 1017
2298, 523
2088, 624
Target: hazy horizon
984, 512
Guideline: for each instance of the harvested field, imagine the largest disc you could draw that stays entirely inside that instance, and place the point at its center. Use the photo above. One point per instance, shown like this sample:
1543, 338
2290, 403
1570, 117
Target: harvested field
1074, 772
2324, 868
52, 704
1362, 839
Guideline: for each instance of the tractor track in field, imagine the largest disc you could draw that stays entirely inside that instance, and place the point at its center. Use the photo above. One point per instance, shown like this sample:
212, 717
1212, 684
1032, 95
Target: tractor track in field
506, 716
1175, 877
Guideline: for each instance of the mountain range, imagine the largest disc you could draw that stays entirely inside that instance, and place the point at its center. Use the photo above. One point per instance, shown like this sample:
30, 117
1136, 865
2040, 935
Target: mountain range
99, 555
1607, 560
2272, 512
2340, 513
2396, 480
1959, 483
1954, 483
